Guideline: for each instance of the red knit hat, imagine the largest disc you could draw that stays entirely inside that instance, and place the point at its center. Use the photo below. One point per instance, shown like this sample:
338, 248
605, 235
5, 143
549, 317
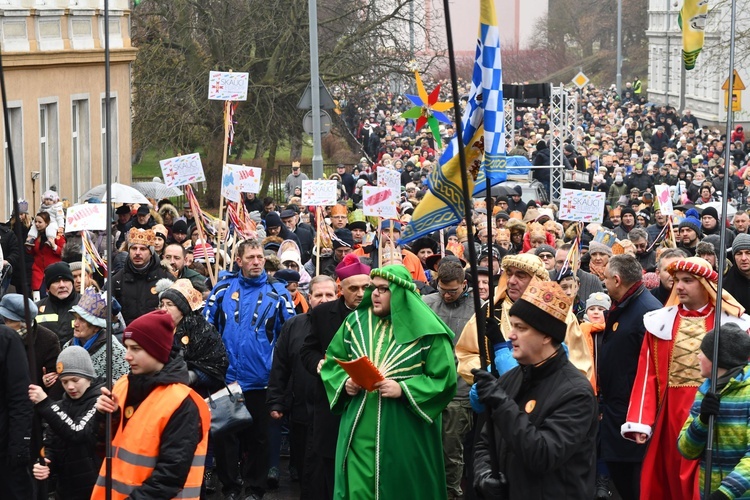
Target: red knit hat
154, 332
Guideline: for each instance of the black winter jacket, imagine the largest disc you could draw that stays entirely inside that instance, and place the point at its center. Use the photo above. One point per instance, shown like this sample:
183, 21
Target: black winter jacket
179, 439
544, 432
290, 385
54, 314
202, 347
16, 410
70, 442
617, 364
136, 290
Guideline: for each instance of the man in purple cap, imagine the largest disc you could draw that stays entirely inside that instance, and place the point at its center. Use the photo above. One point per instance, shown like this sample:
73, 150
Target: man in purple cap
326, 320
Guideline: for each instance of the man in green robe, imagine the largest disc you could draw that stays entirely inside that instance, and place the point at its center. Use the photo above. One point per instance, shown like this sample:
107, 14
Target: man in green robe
390, 442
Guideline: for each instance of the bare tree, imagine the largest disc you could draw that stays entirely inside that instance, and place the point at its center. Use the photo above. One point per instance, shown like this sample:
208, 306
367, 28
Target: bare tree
180, 41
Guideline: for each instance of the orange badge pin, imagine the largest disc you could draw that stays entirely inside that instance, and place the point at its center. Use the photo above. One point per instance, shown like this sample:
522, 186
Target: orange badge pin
153, 290
129, 412
530, 406
236, 296
614, 327
59, 367
185, 340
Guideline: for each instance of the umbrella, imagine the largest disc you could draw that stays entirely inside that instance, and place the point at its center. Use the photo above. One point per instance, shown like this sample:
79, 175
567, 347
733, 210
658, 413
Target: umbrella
121, 193
731, 211
156, 190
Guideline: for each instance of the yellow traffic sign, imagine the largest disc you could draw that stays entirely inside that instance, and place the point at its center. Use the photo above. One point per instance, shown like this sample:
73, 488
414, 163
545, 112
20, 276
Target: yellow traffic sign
738, 83
736, 100
580, 80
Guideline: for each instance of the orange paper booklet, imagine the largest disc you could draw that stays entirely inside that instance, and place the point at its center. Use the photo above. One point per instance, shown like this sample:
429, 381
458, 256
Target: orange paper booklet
362, 372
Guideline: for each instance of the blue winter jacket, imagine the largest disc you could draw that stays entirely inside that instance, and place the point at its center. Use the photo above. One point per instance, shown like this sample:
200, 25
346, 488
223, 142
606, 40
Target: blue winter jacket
249, 314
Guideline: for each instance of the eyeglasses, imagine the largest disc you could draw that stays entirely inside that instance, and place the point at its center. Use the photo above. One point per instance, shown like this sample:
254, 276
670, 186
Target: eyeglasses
451, 293
382, 289
546, 256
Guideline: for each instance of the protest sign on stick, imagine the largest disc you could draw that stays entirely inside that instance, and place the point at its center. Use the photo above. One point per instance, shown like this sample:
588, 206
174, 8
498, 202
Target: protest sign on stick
319, 193
582, 206
664, 199
379, 201
227, 86
182, 170
88, 216
239, 179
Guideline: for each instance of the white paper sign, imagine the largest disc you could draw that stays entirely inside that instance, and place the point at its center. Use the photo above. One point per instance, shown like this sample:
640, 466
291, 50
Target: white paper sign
182, 170
89, 216
226, 86
238, 179
665, 199
389, 178
582, 206
319, 193
379, 201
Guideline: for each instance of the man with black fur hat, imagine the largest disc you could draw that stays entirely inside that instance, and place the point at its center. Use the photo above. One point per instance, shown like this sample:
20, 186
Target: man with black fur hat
729, 405
54, 309
515, 203
627, 223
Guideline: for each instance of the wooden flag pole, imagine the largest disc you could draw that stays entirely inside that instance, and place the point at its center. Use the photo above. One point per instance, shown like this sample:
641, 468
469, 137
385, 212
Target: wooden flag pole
380, 242
390, 242
202, 236
317, 237
223, 166
83, 261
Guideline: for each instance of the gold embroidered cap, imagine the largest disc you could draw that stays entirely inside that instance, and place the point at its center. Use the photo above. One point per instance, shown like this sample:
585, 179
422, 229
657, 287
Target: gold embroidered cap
528, 263
544, 306
141, 237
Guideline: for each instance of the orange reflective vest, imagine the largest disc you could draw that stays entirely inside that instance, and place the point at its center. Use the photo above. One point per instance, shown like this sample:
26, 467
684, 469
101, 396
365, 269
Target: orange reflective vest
135, 448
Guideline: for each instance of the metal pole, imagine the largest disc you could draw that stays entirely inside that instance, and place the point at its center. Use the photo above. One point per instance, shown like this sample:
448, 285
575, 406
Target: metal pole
411, 30
317, 159
683, 81
108, 170
669, 54
619, 47
722, 258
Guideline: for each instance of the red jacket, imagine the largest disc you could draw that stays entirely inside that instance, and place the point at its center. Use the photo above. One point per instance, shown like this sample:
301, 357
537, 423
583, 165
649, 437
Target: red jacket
43, 257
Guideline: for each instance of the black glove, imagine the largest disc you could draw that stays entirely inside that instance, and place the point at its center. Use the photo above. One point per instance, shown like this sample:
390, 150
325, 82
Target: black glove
717, 495
492, 331
490, 393
488, 486
709, 406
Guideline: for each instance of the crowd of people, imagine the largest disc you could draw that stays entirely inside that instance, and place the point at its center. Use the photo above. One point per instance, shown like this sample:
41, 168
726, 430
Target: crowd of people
585, 370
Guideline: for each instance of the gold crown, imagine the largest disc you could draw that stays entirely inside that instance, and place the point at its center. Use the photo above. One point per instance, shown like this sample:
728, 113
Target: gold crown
141, 237
295, 164
193, 297
549, 297
338, 210
502, 235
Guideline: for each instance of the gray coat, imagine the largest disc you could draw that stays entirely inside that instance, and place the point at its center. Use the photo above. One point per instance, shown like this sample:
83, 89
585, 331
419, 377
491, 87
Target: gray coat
589, 283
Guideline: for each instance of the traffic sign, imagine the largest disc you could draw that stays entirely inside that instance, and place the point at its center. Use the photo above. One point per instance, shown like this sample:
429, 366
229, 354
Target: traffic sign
580, 80
326, 101
738, 83
325, 123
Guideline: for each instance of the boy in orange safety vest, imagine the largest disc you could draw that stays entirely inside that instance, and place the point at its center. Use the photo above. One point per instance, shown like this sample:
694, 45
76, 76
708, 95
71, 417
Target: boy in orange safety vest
161, 436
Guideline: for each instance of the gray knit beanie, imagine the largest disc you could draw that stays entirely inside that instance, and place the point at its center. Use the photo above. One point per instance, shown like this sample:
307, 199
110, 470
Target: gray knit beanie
741, 242
734, 346
75, 360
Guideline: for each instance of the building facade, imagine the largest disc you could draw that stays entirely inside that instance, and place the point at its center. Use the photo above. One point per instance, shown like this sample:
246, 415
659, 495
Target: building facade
699, 89
53, 62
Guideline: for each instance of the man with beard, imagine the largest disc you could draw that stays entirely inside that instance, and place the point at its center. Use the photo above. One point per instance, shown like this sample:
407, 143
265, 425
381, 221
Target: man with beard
689, 232
518, 271
54, 309
325, 321
134, 286
741, 222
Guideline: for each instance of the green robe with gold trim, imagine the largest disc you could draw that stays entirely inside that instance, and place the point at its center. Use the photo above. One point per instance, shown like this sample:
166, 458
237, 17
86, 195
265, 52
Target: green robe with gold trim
391, 448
